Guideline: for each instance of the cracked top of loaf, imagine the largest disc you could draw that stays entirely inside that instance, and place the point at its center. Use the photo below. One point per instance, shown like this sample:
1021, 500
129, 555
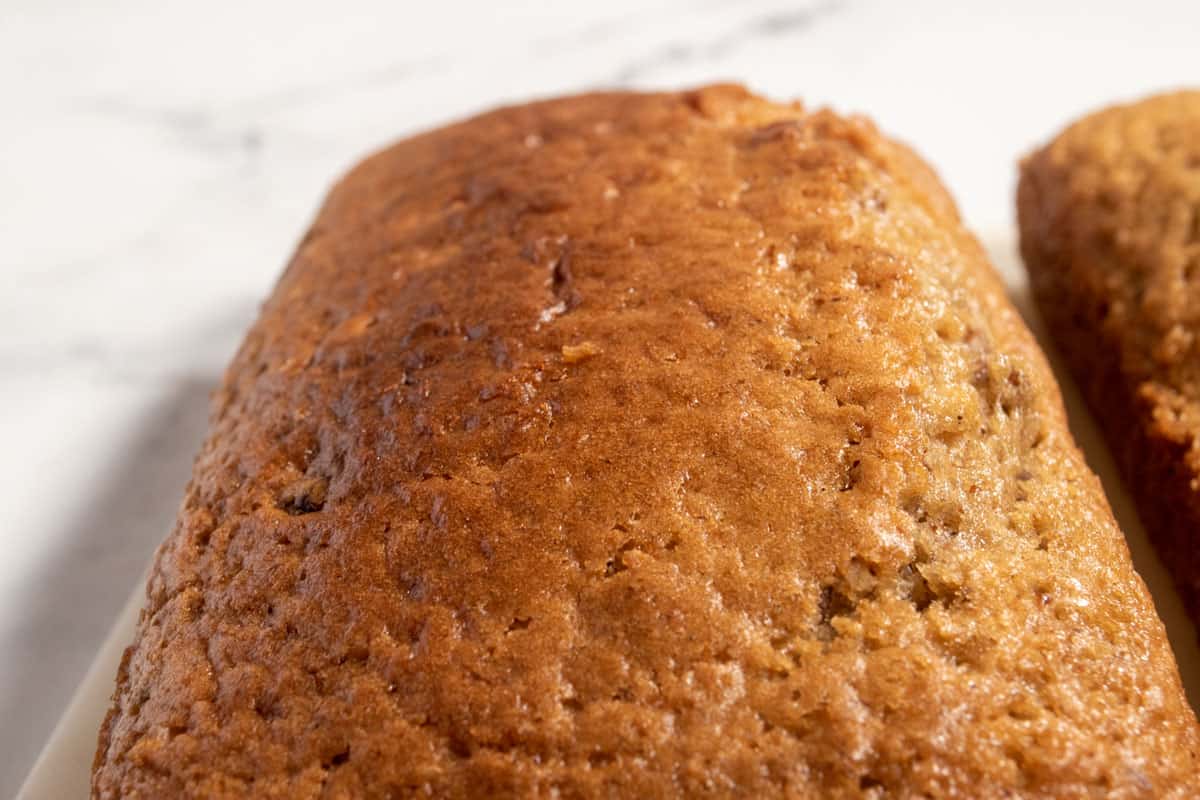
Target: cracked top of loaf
643, 445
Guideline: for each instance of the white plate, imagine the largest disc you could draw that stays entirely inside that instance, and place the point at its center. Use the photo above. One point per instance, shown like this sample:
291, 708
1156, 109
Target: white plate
64, 767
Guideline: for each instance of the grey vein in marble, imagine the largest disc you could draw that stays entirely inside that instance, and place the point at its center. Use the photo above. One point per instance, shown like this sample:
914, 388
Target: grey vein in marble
682, 53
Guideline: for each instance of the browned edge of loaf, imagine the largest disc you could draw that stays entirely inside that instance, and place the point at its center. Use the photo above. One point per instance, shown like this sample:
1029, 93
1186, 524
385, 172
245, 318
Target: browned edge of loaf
1110, 235
644, 445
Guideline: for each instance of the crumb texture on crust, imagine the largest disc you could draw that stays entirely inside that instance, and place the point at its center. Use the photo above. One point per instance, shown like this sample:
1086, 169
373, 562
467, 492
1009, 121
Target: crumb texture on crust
644, 445
1110, 232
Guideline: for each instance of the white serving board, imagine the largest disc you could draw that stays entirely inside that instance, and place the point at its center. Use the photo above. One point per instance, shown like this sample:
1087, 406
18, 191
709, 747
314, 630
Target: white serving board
62, 770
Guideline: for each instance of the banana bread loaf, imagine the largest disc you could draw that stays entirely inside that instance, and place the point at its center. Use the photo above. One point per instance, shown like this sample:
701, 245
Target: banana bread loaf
1110, 233
644, 445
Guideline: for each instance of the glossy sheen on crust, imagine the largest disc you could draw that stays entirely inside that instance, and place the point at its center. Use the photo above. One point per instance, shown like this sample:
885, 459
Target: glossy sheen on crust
643, 446
1110, 232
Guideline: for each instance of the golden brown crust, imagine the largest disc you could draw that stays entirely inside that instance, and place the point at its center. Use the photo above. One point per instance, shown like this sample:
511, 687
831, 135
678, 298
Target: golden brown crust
644, 445
1110, 231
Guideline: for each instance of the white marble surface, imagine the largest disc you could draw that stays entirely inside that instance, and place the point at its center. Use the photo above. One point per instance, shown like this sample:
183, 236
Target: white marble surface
158, 160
